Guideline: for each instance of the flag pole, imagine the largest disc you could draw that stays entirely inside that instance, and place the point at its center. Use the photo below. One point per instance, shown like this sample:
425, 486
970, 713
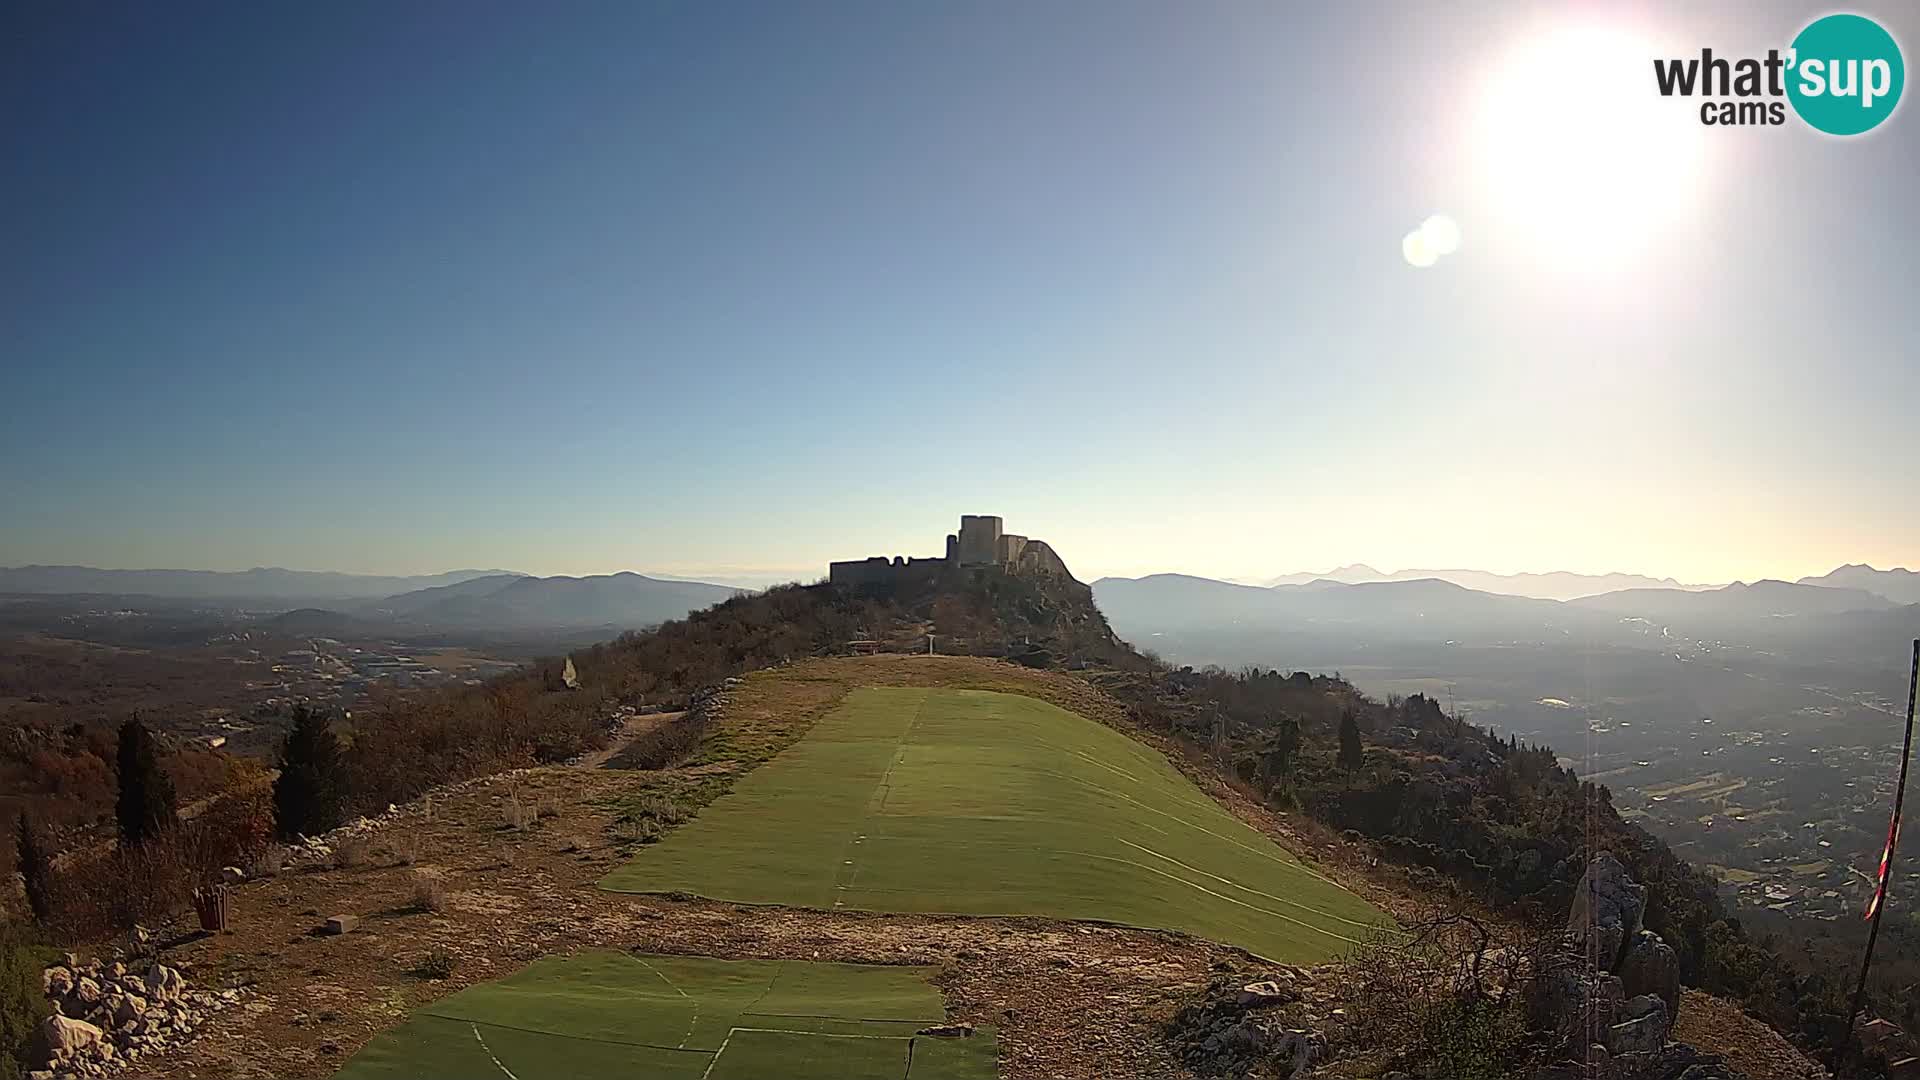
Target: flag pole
1879, 901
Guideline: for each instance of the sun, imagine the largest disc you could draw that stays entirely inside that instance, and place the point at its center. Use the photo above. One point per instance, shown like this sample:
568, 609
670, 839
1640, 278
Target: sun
1579, 162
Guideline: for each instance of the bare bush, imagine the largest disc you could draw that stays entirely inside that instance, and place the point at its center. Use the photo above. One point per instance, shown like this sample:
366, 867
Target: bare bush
515, 814
351, 852
271, 860
436, 963
429, 890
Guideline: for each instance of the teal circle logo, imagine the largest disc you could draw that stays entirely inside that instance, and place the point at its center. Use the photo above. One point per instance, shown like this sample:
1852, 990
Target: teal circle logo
1846, 74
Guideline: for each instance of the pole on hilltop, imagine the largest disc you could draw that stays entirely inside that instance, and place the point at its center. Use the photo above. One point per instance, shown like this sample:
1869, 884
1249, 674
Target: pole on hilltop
1886, 860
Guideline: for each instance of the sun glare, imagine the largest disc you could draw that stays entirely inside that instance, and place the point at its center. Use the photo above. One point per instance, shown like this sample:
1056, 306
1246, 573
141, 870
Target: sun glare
1580, 164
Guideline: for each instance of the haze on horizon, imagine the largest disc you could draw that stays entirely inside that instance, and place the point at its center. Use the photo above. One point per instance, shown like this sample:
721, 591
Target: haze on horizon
730, 294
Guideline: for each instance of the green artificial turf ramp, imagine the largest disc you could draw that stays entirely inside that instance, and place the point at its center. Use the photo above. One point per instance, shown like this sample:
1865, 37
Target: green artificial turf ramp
753, 1054
605, 1014
971, 802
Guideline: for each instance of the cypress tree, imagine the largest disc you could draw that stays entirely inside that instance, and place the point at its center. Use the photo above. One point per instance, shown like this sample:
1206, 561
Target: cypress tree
309, 796
36, 869
1351, 752
147, 806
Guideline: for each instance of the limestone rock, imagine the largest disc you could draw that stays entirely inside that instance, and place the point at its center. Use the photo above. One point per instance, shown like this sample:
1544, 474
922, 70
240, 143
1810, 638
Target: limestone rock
57, 982
86, 991
1607, 910
165, 983
65, 1035
1650, 967
1642, 1034
1259, 995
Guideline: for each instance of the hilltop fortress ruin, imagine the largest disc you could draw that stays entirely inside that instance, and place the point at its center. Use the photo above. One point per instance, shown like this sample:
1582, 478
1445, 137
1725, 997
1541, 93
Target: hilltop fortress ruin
981, 544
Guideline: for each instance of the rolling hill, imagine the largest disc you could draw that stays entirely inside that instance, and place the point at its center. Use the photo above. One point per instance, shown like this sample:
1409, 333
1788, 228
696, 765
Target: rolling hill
506, 601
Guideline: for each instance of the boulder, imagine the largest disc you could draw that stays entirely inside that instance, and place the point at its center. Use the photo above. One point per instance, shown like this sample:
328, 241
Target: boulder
57, 982
1607, 910
63, 1036
1642, 1034
86, 992
1650, 967
128, 1009
1259, 995
165, 983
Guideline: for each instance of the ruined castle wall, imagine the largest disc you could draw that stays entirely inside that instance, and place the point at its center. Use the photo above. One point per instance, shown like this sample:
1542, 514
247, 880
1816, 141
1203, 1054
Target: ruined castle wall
1010, 548
1038, 557
880, 570
979, 540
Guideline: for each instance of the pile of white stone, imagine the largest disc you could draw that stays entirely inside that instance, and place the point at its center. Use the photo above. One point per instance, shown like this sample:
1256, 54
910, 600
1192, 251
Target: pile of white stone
107, 1015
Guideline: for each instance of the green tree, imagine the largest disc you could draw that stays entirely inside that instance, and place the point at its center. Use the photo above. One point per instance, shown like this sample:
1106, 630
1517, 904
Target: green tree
1282, 747
147, 805
1351, 752
309, 797
36, 868
23, 1004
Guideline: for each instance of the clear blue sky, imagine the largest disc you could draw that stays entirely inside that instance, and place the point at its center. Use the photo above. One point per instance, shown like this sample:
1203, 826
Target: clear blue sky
729, 290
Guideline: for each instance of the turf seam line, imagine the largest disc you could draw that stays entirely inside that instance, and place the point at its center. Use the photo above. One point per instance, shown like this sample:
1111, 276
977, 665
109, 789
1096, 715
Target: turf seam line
489, 1050
779, 968
923, 1020
694, 1021
1243, 888
817, 1034
562, 1034
881, 790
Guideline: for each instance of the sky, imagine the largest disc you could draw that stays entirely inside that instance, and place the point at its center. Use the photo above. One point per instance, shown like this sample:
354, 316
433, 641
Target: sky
729, 290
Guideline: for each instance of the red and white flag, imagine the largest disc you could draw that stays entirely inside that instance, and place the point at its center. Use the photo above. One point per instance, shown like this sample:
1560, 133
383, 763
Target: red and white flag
1886, 858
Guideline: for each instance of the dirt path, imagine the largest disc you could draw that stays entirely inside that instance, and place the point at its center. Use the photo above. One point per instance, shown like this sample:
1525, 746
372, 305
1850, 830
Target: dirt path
635, 726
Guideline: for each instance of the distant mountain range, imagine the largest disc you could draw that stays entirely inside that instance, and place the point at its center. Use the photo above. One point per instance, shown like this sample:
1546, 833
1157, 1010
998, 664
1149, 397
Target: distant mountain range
1761, 599
1558, 585
327, 603
258, 584
1899, 584
1441, 610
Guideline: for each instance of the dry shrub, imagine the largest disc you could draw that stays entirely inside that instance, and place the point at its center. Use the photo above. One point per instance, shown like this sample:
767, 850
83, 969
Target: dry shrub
429, 890
351, 852
436, 963
1448, 998
99, 894
515, 814
269, 862
407, 850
